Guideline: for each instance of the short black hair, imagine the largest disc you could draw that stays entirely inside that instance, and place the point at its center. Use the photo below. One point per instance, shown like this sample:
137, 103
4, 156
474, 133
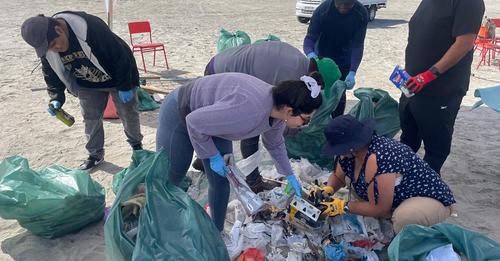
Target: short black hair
297, 96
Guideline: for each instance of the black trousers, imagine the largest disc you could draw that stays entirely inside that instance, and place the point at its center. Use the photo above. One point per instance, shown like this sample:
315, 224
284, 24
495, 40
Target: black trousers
249, 147
431, 120
341, 106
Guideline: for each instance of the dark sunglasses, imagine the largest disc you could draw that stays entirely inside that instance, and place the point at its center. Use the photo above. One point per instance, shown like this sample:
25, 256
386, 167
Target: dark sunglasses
304, 120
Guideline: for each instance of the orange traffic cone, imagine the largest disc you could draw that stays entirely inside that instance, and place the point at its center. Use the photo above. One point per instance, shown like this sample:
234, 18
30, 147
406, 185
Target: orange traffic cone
110, 111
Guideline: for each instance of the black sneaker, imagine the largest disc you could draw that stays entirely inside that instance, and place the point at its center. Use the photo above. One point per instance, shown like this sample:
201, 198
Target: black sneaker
90, 163
260, 185
198, 165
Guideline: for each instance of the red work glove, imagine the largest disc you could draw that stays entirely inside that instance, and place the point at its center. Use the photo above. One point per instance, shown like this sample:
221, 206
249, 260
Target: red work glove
418, 82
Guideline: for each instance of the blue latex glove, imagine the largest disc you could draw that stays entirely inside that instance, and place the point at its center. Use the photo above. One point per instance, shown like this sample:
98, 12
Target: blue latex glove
126, 96
292, 180
312, 55
53, 105
218, 165
350, 80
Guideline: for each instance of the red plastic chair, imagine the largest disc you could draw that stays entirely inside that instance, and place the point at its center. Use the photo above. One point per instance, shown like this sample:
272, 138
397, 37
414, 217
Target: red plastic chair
143, 27
496, 21
484, 45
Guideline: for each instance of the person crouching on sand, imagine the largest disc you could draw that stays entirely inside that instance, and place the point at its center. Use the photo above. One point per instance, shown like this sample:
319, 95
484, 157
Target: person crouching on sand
390, 180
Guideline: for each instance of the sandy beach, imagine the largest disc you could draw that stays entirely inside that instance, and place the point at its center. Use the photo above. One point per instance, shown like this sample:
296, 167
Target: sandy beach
190, 30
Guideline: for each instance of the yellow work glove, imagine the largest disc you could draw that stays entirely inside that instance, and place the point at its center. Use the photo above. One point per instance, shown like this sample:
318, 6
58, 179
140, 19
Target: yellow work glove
334, 207
327, 190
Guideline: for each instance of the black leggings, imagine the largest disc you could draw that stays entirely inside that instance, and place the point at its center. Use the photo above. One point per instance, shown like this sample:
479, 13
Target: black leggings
249, 147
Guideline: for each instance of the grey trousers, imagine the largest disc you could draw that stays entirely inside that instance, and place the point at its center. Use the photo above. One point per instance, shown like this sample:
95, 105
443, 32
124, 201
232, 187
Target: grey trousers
92, 105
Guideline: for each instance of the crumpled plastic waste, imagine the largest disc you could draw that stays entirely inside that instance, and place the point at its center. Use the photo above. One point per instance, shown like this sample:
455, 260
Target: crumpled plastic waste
246, 166
298, 244
371, 256
379, 230
271, 231
335, 252
349, 227
360, 253
276, 197
233, 240
250, 201
387, 230
362, 235
198, 190
445, 252
243, 236
255, 230
131, 210
234, 243
308, 172
275, 255
277, 236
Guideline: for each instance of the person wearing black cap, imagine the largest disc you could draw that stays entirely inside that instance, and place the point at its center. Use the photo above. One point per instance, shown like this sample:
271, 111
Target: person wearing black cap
438, 57
337, 30
80, 53
390, 180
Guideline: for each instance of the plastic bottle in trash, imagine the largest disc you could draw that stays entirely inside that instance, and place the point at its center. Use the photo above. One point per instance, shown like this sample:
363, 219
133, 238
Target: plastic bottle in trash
63, 116
399, 77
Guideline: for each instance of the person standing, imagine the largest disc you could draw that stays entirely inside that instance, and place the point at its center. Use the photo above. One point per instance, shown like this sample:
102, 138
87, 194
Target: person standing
80, 53
438, 57
337, 30
271, 62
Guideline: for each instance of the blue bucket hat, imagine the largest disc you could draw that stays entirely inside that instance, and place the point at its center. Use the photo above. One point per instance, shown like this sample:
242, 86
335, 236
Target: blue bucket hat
345, 134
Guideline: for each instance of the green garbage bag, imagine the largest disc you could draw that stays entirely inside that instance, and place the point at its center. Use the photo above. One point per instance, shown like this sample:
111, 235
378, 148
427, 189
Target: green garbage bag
414, 242
229, 40
330, 73
49, 203
308, 143
118, 177
146, 102
379, 105
171, 225
269, 38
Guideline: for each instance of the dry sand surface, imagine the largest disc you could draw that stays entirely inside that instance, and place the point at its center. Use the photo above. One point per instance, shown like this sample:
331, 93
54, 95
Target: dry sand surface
189, 28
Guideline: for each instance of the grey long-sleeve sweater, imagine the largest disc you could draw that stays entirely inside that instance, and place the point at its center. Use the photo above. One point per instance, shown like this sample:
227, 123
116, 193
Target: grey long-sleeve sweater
235, 106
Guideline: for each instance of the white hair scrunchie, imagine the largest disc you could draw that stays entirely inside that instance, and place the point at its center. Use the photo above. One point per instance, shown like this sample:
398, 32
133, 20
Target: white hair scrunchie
312, 85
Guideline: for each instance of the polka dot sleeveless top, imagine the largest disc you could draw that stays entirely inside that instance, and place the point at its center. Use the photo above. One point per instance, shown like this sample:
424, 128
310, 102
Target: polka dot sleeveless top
418, 179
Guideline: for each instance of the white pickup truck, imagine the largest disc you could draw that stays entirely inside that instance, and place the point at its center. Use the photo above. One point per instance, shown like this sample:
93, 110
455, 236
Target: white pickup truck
305, 8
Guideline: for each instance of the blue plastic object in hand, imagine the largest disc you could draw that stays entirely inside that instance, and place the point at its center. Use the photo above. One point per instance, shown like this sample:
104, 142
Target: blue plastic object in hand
218, 165
292, 180
53, 105
312, 55
350, 80
126, 96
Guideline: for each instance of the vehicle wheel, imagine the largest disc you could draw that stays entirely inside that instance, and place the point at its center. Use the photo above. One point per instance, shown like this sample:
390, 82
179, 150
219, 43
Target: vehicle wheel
303, 20
372, 12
